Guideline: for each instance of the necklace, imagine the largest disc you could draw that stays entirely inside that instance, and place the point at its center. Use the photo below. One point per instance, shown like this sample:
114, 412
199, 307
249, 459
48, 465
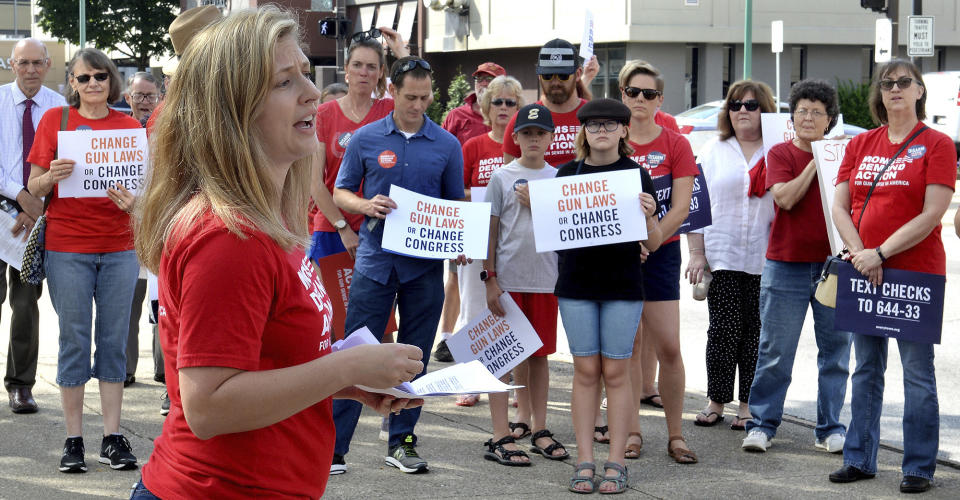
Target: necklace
354, 115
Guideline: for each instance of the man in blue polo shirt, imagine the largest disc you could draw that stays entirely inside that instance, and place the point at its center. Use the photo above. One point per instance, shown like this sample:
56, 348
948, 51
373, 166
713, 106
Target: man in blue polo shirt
407, 149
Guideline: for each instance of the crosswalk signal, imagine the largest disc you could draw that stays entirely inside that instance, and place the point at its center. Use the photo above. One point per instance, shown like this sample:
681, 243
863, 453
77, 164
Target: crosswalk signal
874, 5
334, 27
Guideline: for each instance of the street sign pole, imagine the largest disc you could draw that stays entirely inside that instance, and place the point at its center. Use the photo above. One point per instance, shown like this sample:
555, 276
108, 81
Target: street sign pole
776, 46
747, 39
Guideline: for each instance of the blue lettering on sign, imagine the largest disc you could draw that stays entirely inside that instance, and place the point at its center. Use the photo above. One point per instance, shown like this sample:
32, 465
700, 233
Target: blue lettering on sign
699, 216
916, 151
907, 305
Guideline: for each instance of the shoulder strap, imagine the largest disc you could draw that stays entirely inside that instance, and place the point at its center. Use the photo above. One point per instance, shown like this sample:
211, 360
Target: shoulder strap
64, 114
885, 167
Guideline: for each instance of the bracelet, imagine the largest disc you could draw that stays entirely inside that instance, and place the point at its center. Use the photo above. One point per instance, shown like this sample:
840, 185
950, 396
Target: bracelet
696, 250
880, 254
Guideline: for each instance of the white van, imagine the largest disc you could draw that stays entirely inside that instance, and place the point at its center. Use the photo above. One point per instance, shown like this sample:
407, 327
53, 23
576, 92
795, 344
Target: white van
943, 105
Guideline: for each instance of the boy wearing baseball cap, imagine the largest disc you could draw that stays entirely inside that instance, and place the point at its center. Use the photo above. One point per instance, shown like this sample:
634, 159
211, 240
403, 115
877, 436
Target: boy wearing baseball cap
514, 266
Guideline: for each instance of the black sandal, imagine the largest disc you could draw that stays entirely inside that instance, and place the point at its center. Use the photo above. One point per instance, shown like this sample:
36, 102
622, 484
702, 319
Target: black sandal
497, 453
519, 425
603, 429
547, 451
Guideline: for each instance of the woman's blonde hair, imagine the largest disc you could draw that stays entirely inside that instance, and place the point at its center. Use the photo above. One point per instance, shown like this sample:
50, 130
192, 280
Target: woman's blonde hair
583, 147
502, 83
639, 67
207, 154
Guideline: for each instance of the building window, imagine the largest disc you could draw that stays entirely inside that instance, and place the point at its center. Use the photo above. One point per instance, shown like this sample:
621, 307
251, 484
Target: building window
691, 76
941, 57
729, 68
611, 58
866, 63
798, 63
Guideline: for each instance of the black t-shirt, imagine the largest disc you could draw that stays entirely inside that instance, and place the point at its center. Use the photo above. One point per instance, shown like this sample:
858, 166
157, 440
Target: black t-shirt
604, 272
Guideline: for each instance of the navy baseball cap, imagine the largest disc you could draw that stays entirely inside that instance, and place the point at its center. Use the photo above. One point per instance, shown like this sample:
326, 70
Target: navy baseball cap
534, 115
557, 57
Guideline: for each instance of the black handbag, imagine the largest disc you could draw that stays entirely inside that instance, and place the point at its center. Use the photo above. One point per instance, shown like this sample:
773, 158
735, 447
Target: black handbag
826, 292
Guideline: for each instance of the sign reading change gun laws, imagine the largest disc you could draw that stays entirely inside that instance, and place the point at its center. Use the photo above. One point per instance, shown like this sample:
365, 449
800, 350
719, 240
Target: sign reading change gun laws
422, 226
587, 210
499, 343
103, 159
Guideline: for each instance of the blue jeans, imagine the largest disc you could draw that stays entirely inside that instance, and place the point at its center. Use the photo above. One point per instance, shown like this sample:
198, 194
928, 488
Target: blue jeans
140, 492
605, 327
921, 411
419, 302
77, 281
786, 290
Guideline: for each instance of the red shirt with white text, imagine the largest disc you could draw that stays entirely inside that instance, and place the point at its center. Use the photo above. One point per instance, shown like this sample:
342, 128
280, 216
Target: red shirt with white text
565, 129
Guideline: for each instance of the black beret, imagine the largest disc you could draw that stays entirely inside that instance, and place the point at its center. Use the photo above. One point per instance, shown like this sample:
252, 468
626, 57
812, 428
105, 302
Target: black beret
604, 108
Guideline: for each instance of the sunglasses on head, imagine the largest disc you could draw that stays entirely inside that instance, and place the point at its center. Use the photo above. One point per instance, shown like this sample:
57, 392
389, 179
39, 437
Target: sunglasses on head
509, 102
409, 65
751, 105
560, 77
365, 35
902, 83
648, 94
86, 78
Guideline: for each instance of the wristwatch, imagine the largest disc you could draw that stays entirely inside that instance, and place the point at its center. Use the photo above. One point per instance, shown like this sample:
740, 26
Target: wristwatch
485, 275
340, 224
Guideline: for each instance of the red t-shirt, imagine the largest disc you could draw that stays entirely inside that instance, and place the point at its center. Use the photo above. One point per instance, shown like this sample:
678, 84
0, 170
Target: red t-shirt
798, 234
481, 156
666, 120
668, 154
898, 197
561, 150
334, 130
240, 303
81, 225
463, 123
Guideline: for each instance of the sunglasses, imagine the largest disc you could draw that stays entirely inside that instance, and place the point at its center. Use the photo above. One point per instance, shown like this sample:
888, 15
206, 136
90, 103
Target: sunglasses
751, 105
648, 94
499, 102
408, 66
562, 78
902, 83
593, 126
365, 35
484, 78
86, 78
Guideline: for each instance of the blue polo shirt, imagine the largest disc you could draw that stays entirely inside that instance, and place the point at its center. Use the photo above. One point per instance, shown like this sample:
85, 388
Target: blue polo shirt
430, 163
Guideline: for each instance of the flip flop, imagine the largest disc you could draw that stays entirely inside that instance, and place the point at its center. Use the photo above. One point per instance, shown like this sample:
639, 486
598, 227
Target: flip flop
738, 423
603, 429
633, 450
706, 422
650, 402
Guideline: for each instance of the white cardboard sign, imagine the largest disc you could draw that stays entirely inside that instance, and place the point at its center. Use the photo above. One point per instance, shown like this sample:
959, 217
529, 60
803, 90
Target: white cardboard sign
778, 127
828, 155
587, 210
586, 41
432, 228
103, 159
500, 343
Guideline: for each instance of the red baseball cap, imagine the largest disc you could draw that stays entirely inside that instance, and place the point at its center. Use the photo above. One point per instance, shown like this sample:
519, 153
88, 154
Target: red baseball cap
490, 68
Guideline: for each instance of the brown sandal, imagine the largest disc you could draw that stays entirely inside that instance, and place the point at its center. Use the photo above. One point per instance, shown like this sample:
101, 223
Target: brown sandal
680, 455
633, 450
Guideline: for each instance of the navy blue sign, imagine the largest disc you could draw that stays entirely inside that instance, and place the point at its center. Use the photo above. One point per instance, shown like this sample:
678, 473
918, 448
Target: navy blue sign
908, 305
699, 215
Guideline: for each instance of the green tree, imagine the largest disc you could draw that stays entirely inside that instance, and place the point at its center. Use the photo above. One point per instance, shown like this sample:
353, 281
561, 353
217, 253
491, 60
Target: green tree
854, 103
458, 90
134, 28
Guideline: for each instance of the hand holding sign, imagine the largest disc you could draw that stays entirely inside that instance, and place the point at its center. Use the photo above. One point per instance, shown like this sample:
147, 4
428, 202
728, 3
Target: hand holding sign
648, 204
122, 197
60, 169
386, 365
869, 264
379, 206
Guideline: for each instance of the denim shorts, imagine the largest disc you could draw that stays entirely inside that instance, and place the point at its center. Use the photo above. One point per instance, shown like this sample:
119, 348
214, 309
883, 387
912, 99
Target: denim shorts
77, 281
661, 273
605, 327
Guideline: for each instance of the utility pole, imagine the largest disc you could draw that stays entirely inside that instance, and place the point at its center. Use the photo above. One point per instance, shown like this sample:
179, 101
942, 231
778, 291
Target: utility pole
893, 12
748, 39
83, 23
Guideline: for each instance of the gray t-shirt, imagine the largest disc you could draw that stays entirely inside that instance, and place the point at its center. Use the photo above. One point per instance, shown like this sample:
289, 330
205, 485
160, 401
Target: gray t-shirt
519, 267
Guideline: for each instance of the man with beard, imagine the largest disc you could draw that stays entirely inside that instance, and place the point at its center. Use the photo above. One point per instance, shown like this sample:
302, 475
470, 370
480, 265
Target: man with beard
559, 68
465, 122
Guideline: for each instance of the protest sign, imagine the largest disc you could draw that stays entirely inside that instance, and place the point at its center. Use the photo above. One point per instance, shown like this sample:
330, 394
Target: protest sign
478, 193
699, 215
104, 158
586, 41
336, 274
500, 343
778, 127
587, 210
432, 228
907, 305
828, 154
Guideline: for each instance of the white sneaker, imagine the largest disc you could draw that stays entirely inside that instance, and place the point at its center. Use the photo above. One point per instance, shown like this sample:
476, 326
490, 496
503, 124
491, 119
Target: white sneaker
757, 441
833, 443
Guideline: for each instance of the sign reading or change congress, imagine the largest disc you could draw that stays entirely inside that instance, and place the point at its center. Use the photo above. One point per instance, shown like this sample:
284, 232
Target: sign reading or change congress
907, 305
500, 343
422, 226
699, 215
587, 210
104, 158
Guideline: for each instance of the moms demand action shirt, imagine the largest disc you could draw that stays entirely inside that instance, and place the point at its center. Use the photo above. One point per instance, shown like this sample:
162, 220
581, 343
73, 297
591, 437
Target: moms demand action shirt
565, 129
668, 154
481, 156
247, 304
898, 197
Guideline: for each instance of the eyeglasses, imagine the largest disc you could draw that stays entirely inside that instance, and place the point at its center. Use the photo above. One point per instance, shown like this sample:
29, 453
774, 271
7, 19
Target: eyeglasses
648, 94
86, 78
365, 35
593, 126
815, 113
484, 78
409, 65
138, 97
499, 102
902, 83
751, 105
26, 63
549, 77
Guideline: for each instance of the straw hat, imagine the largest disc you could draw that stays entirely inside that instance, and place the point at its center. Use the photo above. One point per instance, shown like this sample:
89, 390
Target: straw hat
184, 28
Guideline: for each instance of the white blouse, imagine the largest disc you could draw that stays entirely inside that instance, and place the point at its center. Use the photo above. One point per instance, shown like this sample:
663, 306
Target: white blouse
737, 239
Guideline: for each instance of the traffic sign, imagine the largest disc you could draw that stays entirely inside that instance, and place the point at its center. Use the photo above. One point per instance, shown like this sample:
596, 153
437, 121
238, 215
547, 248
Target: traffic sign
881, 49
920, 36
